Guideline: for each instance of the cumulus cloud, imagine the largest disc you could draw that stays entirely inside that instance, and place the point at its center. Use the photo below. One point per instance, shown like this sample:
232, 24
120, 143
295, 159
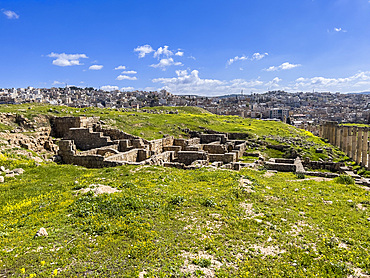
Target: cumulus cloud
95, 67
283, 66
10, 14
163, 51
190, 83
256, 56
120, 68
64, 60
129, 72
179, 53
57, 83
359, 79
164, 63
236, 58
126, 77
274, 82
109, 88
144, 50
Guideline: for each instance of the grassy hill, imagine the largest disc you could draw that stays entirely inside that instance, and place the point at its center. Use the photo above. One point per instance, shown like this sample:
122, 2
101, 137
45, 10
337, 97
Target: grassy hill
166, 222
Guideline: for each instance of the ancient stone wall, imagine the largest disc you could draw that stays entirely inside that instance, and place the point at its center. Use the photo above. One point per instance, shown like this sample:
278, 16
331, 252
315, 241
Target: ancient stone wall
60, 125
86, 139
68, 153
130, 156
352, 140
209, 138
187, 157
115, 134
215, 148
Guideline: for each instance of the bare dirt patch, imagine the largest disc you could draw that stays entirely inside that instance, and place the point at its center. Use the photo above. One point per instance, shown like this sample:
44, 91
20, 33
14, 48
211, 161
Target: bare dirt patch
99, 189
268, 250
269, 174
190, 268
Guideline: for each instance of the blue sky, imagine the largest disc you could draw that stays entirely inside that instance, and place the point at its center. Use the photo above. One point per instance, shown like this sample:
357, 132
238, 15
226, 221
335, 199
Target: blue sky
187, 47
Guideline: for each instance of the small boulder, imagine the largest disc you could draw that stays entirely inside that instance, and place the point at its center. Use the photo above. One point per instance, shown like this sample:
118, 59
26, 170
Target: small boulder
41, 232
18, 171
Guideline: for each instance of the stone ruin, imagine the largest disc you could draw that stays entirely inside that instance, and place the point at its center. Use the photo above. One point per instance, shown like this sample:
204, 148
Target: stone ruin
352, 140
86, 143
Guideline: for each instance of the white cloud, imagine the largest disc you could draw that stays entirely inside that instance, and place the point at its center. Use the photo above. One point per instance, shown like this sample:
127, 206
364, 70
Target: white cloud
191, 83
164, 63
126, 77
236, 58
120, 68
163, 51
340, 30
143, 50
127, 89
57, 83
283, 66
359, 79
109, 88
95, 67
179, 53
256, 56
129, 72
64, 60
274, 82
10, 14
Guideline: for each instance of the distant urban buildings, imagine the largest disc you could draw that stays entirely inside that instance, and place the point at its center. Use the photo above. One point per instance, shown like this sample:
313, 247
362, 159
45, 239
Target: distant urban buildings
296, 108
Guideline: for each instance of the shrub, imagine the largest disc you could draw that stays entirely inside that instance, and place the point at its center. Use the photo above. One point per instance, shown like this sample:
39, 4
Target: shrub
344, 179
209, 202
300, 175
202, 262
177, 200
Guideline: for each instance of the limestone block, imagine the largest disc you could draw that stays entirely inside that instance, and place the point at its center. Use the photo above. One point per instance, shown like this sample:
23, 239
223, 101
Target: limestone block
41, 232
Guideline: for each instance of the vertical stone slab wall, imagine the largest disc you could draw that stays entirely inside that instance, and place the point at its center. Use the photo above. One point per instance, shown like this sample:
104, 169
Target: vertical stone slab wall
354, 143
338, 136
359, 145
352, 140
365, 147
332, 133
345, 139
349, 142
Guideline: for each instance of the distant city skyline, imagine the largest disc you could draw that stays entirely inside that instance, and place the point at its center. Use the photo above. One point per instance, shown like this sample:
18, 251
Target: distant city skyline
203, 47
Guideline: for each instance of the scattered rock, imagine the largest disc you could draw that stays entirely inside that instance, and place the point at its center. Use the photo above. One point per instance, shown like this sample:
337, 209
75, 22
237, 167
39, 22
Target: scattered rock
41, 232
99, 189
18, 171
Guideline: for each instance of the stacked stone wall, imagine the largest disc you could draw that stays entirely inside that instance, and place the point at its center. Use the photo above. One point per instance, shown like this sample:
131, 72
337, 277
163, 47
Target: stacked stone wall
187, 157
86, 139
209, 138
61, 125
352, 140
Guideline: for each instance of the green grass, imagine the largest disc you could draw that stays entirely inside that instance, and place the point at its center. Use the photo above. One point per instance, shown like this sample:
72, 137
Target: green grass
156, 125
165, 219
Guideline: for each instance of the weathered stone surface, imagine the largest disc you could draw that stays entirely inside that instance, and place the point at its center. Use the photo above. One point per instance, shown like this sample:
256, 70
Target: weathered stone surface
18, 171
282, 167
188, 157
41, 232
